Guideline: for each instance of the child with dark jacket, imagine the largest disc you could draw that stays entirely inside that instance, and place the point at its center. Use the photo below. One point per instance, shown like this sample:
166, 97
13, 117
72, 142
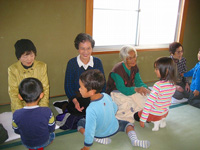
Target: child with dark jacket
35, 124
100, 122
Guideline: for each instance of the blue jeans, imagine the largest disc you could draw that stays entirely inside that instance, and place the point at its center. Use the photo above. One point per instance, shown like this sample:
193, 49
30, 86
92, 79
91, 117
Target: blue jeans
51, 138
122, 125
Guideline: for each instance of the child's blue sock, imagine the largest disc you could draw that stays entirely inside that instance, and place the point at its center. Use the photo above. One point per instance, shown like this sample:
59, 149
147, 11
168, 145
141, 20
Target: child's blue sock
135, 142
103, 140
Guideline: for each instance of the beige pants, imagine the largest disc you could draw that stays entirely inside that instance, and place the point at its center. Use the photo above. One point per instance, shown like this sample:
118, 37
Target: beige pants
128, 105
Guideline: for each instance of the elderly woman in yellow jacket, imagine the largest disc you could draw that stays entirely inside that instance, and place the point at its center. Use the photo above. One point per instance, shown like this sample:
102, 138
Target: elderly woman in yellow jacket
27, 66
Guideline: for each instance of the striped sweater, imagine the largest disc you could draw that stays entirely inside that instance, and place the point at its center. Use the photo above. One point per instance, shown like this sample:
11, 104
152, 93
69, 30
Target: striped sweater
159, 100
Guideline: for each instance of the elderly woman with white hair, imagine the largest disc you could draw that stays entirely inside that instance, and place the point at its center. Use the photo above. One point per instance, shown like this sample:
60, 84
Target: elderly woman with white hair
126, 86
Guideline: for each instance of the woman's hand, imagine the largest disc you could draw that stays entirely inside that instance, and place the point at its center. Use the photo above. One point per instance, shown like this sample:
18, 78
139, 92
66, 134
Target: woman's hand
142, 124
142, 90
77, 105
196, 93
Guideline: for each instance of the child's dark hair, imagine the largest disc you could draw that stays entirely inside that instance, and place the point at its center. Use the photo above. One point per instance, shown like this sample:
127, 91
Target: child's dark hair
24, 45
93, 80
173, 46
167, 69
30, 89
82, 37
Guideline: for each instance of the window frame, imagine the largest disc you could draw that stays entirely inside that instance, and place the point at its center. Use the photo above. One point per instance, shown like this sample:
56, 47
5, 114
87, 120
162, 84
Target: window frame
180, 28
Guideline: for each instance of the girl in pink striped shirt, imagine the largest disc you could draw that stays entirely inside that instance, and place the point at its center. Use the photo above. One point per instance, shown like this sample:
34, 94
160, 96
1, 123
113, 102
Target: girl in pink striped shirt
157, 105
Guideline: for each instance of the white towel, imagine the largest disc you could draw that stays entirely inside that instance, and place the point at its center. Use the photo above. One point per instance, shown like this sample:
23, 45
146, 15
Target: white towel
6, 121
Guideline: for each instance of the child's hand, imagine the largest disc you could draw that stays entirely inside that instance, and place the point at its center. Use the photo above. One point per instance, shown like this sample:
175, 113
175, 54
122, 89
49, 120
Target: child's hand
77, 105
196, 93
142, 124
187, 87
181, 74
85, 148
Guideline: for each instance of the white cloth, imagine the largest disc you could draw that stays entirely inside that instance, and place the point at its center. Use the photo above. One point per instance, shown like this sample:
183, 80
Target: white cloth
6, 120
128, 105
85, 66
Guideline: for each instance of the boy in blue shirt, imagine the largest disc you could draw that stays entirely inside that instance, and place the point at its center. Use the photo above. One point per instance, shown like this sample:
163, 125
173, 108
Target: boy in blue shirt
194, 98
35, 124
100, 122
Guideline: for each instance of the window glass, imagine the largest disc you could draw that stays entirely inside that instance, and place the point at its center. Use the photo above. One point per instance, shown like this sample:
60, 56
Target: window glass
158, 21
136, 22
114, 22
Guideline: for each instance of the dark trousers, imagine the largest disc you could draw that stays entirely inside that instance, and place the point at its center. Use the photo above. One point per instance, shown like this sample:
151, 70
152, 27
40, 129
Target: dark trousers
194, 100
84, 102
179, 95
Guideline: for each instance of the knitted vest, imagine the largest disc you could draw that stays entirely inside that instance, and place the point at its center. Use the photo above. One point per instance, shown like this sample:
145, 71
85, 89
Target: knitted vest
119, 69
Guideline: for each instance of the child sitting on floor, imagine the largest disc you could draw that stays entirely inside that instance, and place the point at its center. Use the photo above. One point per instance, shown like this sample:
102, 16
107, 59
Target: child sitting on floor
194, 98
157, 105
100, 122
35, 124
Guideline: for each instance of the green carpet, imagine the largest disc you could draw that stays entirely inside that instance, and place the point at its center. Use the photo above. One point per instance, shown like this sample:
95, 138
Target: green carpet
182, 133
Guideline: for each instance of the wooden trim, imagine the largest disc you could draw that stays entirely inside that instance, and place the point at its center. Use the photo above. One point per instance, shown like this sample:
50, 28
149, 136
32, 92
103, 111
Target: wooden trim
4, 104
57, 96
105, 52
153, 49
184, 21
89, 17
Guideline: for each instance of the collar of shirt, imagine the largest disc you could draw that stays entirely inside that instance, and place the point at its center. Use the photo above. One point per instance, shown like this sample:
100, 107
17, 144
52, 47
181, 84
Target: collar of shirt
27, 67
85, 66
126, 69
26, 70
174, 59
31, 107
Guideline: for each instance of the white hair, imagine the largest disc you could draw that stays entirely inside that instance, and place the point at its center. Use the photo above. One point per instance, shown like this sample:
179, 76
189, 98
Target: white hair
124, 52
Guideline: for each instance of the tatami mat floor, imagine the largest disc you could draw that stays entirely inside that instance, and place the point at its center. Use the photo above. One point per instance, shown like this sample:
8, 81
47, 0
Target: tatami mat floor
182, 133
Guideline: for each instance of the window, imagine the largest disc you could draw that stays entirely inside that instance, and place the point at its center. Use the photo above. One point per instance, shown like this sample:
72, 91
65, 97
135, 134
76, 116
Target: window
141, 23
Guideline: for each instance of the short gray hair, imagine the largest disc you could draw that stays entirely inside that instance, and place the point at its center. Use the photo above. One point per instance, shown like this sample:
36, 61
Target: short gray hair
124, 52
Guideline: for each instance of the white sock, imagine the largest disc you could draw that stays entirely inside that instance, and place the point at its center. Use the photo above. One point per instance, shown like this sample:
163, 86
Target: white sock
135, 142
79, 127
156, 125
163, 123
103, 140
